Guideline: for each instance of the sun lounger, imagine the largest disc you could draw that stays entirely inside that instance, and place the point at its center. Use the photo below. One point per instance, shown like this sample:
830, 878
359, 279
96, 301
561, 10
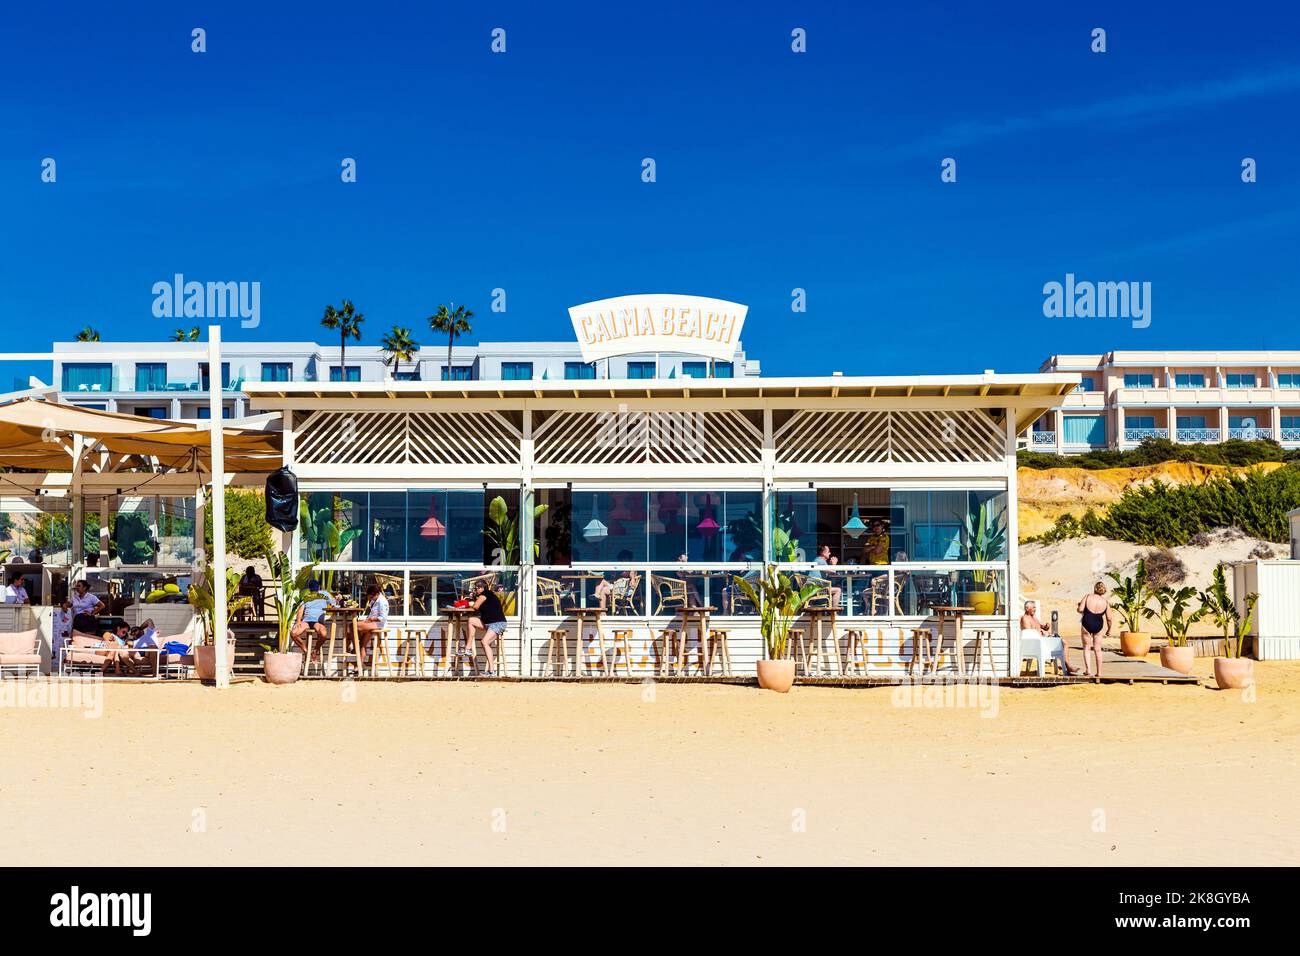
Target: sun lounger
20, 652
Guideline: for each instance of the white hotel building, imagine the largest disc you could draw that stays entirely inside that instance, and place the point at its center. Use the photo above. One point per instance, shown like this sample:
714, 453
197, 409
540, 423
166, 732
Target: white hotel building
1185, 396
155, 382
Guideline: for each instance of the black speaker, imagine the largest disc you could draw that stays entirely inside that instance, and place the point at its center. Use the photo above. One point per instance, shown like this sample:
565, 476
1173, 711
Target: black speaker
282, 499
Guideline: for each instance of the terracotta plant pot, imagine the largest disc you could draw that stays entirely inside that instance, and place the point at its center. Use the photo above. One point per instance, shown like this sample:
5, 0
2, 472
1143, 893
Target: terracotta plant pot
1177, 658
1232, 673
1134, 643
776, 675
282, 668
205, 660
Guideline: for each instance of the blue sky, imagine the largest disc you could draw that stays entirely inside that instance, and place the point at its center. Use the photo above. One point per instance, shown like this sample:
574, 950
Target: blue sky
775, 170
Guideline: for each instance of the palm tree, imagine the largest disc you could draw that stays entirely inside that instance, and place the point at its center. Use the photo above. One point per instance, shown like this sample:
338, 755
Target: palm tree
88, 334
399, 347
348, 321
452, 322
180, 335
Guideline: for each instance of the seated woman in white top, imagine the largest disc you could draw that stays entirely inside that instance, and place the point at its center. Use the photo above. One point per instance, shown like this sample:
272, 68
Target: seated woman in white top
1032, 627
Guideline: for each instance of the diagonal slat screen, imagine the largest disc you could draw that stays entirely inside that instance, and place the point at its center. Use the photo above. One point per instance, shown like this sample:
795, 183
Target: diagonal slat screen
647, 437
855, 437
406, 438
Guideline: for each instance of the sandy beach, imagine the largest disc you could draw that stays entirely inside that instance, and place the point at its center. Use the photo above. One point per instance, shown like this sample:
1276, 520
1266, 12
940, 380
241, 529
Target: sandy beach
328, 773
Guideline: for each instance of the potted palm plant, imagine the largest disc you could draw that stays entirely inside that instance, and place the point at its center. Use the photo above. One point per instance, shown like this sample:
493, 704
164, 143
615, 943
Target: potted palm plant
983, 538
779, 605
1232, 670
1173, 614
202, 596
1130, 599
283, 666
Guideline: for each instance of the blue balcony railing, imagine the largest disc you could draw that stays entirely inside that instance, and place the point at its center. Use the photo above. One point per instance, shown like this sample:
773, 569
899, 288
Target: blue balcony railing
1043, 438
1252, 433
1291, 434
1196, 435
1142, 434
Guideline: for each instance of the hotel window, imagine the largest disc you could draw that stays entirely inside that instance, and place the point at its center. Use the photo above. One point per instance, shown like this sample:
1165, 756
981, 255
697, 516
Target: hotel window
459, 373
277, 372
1189, 380
516, 371
1288, 421
640, 369
88, 377
1088, 384
206, 412
1240, 379
150, 376
337, 373
150, 411
579, 370
1140, 421
1084, 430
1191, 421
1288, 379
1139, 380
205, 378
724, 370
695, 369
411, 375
1243, 421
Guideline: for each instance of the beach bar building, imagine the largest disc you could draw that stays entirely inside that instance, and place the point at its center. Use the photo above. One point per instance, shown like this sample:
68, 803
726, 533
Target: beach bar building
645, 497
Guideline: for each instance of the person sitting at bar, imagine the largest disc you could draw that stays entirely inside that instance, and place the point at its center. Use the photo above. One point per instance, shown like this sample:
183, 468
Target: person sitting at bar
374, 622
824, 559
311, 617
85, 606
490, 619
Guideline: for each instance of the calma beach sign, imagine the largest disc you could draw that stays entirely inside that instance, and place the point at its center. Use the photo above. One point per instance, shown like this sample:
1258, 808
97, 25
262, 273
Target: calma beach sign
658, 323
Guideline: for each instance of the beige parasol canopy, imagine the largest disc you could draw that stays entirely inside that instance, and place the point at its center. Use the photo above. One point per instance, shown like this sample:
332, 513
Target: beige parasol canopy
38, 435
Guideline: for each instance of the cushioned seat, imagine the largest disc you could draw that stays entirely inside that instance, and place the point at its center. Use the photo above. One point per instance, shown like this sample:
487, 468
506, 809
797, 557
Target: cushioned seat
20, 650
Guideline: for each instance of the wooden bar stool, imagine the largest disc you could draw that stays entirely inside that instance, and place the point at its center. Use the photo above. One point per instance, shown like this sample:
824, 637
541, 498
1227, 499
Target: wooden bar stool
331, 654
590, 617
379, 650
921, 637
855, 652
984, 641
794, 646
623, 649
559, 662
718, 647
816, 621
665, 645
410, 648
442, 660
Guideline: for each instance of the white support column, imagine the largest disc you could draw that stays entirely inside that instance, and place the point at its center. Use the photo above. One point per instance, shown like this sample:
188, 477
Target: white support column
1223, 423
288, 539
1171, 417
1275, 422
1119, 427
1058, 418
527, 565
77, 546
218, 511
1013, 545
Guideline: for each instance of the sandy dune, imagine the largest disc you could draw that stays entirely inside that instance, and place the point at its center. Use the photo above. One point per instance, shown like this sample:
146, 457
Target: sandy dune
626, 774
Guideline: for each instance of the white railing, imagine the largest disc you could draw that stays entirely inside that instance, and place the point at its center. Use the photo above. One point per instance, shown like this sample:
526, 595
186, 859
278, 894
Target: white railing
1253, 433
1194, 435
1044, 438
1141, 434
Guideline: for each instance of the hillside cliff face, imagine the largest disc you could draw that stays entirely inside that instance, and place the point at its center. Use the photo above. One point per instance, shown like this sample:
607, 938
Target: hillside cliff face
1048, 493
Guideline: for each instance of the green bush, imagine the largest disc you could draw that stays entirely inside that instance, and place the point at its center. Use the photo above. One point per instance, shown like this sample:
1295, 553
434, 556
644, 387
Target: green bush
1169, 515
247, 533
1155, 451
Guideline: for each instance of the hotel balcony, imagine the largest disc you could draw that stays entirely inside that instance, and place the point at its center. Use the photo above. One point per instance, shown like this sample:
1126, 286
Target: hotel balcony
1138, 435
1193, 436
1208, 396
1043, 439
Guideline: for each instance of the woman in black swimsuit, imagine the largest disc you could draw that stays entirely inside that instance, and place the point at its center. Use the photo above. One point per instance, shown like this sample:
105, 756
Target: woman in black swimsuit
1096, 614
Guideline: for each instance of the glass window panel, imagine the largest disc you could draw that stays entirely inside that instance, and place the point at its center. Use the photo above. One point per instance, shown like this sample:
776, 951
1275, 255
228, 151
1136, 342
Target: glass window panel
579, 370
87, 377
669, 522
175, 530
552, 529
640, 369
387, 526
724, 370
465, 526
695, 369
150, 376
793, 524
345, 513
742, 523
610, 526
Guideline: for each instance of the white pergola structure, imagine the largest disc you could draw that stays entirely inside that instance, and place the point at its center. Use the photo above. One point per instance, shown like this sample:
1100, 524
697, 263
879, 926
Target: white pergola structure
800, 456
